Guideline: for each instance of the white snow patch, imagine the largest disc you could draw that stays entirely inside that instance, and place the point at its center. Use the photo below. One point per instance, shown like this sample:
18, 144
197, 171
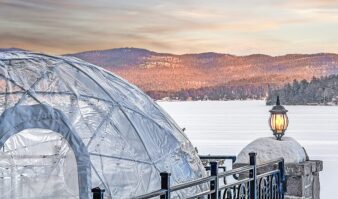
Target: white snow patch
268, 148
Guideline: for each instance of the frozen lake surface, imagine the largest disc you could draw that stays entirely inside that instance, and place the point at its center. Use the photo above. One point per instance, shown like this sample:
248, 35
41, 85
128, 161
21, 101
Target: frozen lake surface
225, 127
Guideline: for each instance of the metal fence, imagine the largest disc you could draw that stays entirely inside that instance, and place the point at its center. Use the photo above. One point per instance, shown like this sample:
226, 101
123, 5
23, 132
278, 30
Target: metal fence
267, 183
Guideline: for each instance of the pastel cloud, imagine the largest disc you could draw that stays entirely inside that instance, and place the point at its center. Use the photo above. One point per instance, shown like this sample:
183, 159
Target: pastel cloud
177, 26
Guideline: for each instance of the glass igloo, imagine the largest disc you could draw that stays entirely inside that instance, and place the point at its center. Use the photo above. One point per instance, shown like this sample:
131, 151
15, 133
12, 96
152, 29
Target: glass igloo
67, 126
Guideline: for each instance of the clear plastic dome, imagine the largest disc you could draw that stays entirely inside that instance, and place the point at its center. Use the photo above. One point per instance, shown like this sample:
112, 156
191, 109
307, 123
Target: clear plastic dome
67, 126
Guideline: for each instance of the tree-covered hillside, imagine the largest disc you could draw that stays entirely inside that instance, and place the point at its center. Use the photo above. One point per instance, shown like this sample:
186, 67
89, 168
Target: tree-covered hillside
209, 75
322, 90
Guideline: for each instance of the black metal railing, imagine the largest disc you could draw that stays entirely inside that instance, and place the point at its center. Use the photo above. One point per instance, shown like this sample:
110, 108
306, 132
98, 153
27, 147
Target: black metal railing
222, 162
264, 181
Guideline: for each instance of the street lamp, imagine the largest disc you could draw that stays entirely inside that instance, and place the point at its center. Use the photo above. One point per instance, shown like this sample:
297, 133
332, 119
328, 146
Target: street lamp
278, 120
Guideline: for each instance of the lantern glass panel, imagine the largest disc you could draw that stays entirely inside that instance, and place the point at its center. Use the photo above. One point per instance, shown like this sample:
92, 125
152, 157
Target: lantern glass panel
278, 122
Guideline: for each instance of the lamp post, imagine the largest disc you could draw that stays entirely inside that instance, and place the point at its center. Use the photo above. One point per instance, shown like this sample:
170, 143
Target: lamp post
278, 120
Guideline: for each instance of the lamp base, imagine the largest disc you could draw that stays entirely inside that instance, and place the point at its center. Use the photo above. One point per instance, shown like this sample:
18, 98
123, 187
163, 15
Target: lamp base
278, 136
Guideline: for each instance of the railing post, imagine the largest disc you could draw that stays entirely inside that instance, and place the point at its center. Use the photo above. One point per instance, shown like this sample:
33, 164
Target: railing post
282, 183
165, 184
98, 193
214, 183
253, 175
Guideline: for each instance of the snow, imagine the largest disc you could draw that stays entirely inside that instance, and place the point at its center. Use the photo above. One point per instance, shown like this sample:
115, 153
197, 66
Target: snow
226, 127
268, 148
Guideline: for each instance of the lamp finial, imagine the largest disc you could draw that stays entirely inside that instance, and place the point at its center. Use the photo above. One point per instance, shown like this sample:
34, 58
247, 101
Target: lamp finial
277, 102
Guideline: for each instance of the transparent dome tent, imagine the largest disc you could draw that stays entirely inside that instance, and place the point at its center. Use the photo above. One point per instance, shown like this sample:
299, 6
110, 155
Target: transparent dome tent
67, 126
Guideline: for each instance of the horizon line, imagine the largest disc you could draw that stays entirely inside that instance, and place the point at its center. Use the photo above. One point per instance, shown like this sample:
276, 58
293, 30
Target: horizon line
173, 54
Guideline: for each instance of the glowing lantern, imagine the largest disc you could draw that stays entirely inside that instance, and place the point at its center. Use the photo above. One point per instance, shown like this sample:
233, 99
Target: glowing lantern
278, 120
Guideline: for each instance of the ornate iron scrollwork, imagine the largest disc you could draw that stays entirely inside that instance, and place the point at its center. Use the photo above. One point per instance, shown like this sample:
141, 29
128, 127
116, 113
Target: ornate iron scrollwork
264, 188
228, 193
275, 193
242, 191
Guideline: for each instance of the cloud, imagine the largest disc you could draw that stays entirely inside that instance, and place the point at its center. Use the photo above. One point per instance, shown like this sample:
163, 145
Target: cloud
177, 26
303, 4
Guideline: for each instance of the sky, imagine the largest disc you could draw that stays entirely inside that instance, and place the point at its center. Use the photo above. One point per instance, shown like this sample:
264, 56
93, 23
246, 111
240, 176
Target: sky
239, 27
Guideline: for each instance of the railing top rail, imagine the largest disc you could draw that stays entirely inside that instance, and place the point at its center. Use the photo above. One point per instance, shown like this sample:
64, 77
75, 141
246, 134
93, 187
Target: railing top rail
268, 173
193, 183
236, 171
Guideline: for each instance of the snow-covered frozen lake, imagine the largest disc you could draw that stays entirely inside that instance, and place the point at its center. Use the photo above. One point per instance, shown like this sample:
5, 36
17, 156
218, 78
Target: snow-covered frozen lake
225, 127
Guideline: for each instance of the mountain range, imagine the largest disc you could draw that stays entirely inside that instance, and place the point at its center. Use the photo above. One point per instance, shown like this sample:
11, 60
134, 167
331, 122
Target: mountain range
200, 76
163, 72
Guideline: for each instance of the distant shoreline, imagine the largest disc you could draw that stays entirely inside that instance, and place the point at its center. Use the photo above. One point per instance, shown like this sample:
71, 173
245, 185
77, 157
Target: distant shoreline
310, 104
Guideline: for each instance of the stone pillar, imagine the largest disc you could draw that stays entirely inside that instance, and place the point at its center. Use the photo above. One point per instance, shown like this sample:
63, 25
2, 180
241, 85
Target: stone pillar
302, 174
303, 179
